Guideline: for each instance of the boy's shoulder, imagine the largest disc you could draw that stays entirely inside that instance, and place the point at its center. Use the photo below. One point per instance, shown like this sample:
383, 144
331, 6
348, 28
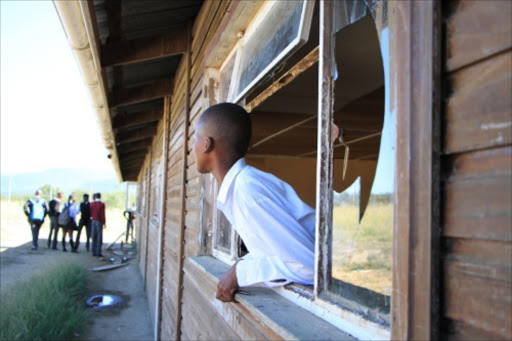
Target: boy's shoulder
253, 182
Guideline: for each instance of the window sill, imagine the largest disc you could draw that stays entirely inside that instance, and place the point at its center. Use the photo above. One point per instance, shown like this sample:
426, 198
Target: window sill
285, 318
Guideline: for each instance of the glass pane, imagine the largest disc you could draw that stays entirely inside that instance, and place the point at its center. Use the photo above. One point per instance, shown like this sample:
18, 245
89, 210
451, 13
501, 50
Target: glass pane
225, 78
278, 30
223, 236
363, 177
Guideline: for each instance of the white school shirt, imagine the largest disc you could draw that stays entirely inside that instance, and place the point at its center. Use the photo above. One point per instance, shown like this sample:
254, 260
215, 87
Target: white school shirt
73, 210
277, 227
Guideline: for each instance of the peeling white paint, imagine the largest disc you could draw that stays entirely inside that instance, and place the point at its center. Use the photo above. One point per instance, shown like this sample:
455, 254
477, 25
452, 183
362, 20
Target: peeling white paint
491, 126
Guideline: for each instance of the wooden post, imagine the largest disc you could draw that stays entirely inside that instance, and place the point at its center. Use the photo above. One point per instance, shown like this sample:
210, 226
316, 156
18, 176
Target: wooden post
181, 238
148, 217
324, 163
415, 70
161, 236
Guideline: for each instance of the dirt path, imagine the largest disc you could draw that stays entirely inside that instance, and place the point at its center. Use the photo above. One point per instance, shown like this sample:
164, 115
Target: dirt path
128, 321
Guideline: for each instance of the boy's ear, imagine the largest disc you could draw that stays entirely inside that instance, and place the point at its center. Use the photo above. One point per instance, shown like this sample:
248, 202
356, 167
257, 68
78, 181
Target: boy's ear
209, 143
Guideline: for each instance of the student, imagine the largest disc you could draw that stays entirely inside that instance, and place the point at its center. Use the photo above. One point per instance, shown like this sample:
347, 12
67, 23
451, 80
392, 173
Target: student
54, 206
36, 210
71, 225
277, 228
129, 215
85, 220
98, 223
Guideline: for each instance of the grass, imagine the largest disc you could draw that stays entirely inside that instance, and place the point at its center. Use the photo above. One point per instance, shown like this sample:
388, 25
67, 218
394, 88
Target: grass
362, 252
49, 306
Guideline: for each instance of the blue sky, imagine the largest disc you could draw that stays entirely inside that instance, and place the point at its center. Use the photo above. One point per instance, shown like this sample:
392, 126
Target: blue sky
47, 120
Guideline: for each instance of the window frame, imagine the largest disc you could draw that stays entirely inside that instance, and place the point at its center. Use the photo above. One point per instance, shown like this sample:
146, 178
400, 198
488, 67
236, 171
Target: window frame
297, 42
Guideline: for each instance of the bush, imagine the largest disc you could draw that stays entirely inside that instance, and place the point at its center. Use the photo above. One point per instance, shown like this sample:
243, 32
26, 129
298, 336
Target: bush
47, 307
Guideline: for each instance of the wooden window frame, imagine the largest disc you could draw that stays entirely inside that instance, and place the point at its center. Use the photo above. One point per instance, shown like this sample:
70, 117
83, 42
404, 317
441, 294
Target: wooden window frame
415, 97
302, 35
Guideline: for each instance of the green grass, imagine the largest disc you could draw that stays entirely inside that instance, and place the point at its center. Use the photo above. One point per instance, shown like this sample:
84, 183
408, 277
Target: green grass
49, 306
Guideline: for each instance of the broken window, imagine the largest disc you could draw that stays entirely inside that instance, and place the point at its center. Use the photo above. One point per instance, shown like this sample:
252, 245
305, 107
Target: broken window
363, 179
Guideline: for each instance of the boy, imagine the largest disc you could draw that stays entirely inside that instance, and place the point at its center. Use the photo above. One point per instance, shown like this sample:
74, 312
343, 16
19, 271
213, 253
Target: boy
277, 228
54, 220
36, 210
71, 225
85, 220
98, 222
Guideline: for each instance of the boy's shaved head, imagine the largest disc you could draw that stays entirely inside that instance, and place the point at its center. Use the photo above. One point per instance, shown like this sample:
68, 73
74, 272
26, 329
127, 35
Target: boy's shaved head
229, 125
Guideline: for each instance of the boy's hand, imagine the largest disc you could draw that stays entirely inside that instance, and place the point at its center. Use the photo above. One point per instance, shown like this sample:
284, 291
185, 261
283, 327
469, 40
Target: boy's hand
227, 286
335, 133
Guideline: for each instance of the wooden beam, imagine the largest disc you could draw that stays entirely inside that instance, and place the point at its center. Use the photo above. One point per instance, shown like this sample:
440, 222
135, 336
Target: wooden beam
126, 120
139, 50
132, 155
132, 167
135, 146
137, 94
135, 135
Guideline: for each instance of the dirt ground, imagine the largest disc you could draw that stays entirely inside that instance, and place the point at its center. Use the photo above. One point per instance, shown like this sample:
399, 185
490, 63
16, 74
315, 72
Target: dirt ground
128, 321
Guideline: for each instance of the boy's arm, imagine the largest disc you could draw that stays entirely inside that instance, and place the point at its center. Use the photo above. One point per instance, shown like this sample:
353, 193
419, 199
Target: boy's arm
104, 216
26, 208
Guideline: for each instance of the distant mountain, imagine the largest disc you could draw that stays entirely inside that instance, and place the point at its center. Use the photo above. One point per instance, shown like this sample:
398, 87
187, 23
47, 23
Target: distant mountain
66, 179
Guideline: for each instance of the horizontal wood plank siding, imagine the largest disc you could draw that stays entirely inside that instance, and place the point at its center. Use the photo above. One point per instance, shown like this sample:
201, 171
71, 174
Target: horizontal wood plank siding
477, 171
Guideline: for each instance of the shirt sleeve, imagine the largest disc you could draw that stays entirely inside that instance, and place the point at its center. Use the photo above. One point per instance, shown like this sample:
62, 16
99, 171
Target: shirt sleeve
26, 208
268, 272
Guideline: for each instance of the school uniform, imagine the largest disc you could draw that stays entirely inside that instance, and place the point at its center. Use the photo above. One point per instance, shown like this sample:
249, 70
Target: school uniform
36, 210
277, 227
85, 220
54, 222
73, 212
98, 220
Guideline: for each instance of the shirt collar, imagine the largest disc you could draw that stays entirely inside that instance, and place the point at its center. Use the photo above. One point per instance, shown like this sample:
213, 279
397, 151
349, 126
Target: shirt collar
97, 199
229, 179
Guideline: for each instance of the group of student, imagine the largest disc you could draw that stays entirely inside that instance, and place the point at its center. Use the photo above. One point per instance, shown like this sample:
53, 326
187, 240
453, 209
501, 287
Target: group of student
92, 217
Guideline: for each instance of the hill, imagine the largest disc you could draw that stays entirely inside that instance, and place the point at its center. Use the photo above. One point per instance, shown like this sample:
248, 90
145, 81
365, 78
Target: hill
65, 179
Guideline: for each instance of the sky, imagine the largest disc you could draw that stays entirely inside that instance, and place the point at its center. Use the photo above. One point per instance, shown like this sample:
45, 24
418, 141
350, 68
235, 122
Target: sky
47, 120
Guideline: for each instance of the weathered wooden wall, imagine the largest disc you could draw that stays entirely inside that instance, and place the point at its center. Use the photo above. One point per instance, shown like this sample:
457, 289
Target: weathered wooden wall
476, 284
153, 225
477, 170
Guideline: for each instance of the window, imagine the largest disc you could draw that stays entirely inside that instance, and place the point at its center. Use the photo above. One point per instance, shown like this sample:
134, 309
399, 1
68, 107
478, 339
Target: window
362, 213
353, 177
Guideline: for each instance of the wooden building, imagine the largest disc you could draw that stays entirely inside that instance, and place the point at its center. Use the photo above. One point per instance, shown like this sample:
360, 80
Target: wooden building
422, 93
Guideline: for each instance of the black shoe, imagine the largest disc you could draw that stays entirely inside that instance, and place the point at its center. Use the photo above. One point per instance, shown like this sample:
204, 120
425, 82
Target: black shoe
55, 248
74, 250
64, 250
